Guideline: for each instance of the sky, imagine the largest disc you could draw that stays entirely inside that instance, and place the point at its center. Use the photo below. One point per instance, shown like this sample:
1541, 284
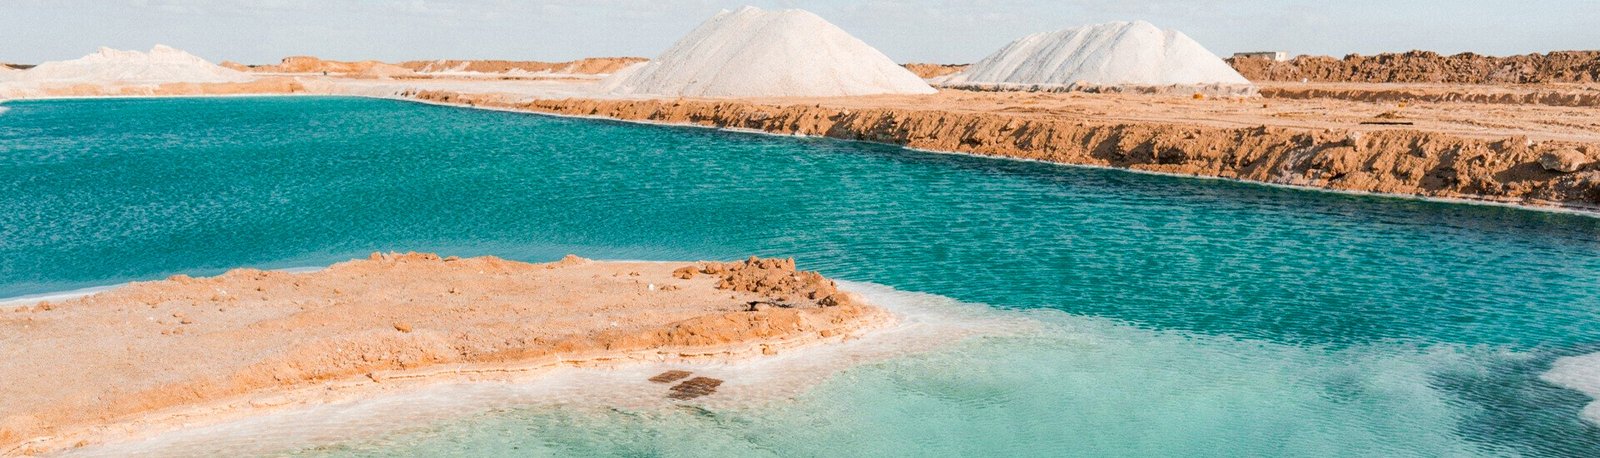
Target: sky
947, 31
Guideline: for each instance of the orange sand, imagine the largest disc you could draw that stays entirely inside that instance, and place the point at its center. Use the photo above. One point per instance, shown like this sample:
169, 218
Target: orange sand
69, 367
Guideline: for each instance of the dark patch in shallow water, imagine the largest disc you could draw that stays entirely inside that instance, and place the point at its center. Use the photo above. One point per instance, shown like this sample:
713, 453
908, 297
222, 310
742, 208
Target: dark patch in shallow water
694, 388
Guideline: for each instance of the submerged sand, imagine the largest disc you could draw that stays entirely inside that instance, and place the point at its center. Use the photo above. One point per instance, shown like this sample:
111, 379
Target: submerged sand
246, 337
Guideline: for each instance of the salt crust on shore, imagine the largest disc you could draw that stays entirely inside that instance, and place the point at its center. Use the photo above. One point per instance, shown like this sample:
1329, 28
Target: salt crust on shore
1110, 54
163, 64
757, 53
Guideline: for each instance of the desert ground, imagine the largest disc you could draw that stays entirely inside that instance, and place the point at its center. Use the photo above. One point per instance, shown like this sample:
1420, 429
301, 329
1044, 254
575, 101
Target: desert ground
186, 349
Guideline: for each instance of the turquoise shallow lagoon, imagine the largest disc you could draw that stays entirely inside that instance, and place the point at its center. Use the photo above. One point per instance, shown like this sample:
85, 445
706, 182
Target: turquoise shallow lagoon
1169, 316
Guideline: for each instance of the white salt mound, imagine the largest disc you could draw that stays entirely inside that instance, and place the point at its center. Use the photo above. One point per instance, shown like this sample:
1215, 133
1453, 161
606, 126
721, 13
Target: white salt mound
756, 53
1111, 54
162, 64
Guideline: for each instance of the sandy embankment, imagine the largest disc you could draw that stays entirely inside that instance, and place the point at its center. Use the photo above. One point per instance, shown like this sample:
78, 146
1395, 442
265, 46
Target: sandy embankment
1526, 155
1555, 95
184, 349
1428, 67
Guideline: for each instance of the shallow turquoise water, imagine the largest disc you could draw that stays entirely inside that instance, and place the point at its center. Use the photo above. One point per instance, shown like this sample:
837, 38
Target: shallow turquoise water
1181, 316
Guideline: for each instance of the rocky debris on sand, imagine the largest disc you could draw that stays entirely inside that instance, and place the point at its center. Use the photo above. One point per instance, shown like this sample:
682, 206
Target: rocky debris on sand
568, 261
776, 278
694, 388
685, 272
1563, 160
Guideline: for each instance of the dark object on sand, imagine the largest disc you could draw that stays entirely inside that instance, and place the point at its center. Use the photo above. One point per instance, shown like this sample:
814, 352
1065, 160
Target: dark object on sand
669, 376
694, 388
754, 305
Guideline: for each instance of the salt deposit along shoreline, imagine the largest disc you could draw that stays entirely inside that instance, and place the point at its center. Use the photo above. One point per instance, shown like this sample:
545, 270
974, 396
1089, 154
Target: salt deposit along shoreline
156, 356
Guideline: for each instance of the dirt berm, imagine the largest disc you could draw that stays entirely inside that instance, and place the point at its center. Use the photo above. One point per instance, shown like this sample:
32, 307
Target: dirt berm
1406, 162
1429, 67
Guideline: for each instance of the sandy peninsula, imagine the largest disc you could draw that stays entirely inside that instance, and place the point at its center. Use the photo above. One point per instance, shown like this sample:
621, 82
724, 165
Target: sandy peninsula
250, 339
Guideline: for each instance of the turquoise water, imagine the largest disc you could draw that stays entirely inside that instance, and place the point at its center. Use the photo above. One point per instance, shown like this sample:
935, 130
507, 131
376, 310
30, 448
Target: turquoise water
1177, 316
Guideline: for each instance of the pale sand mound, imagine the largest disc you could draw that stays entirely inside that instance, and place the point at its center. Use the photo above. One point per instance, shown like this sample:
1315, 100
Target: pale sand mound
756, 53
1111, 54
184, 342
162, 64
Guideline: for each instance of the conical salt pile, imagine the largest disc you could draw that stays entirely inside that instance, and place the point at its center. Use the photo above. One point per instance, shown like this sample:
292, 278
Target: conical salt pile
162, 64
1111, 54
756, 53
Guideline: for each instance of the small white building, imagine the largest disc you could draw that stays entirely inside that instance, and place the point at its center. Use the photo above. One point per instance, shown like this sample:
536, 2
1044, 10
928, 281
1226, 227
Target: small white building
1278, 56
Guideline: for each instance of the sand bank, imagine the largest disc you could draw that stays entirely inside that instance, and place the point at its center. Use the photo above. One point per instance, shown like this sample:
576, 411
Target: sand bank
1537, 157
1555, 95
323, 420
1429, 67
182, 349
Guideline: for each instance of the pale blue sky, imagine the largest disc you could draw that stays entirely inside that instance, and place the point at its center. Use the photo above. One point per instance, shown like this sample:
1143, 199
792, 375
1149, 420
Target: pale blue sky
260, 31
